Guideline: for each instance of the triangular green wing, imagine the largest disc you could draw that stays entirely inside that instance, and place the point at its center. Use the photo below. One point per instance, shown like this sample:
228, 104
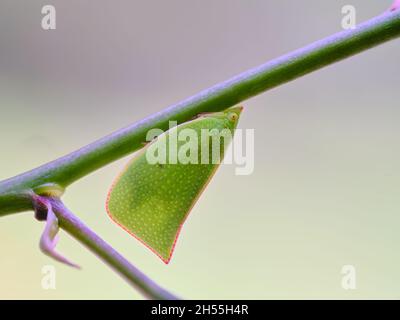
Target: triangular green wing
152, 200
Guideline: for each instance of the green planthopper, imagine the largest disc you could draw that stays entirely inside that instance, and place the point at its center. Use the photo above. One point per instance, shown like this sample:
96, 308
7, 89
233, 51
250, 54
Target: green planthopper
154, 194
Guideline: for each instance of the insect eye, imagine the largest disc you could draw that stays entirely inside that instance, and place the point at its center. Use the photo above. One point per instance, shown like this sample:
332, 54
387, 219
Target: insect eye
232, 116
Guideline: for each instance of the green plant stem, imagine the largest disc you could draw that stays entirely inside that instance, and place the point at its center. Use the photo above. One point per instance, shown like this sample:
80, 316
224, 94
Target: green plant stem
76, 165
18, 193
77, 229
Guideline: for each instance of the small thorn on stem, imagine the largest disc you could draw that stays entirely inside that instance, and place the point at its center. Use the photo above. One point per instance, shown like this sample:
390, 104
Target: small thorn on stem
395, 6
49, 238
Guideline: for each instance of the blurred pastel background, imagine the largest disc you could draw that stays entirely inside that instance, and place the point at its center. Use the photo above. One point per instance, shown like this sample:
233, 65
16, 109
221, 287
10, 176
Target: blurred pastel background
325, 190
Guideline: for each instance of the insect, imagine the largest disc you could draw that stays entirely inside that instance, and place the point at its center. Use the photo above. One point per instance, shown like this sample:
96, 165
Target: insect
152, 199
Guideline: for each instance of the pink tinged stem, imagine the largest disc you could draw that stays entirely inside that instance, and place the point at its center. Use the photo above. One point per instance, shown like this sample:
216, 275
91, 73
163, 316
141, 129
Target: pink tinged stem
395, 6
50, 237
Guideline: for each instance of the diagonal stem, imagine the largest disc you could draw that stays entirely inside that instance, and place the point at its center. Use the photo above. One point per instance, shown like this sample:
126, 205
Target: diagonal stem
77, 229
80, 163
